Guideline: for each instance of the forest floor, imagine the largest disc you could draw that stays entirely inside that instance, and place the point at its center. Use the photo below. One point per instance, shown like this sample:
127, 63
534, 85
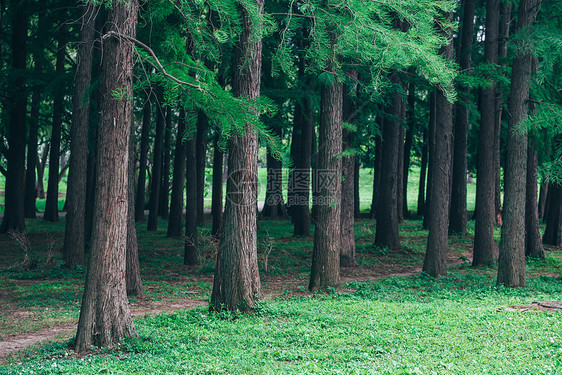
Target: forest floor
40, 300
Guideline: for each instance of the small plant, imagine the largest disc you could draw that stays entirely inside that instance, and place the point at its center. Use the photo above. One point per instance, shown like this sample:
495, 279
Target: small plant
22, 240
267, 246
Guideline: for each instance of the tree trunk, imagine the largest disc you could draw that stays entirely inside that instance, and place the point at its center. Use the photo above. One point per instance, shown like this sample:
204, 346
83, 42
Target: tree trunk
356, 198
423, 169
348, 257
52, 203
408, 146
105, 318
132, 267
377, 169
155, 184
237, 281
542, 198
553, 231
141, 182
387, 212
175, 218
190, 248
431, 157
511, 269
274, 205
30, 195
435, 262
458, 215
485, 251
74, 241
400, 167
165, 182
17, 103
325, 270
533, 244
201, 153
216, 203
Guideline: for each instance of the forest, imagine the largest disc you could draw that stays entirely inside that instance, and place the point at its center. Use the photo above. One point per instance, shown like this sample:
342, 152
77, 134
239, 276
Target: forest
281, 186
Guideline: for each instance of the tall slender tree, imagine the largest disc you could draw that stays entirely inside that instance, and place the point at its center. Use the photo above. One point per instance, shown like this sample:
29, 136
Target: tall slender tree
74, 241
105, 317
141, 181
511, 268
155, 184
175, 217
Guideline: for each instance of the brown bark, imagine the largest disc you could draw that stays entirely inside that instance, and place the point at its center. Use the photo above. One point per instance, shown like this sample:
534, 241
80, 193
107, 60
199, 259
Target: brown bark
485, 251
105, 318
237, 282
325, 270
435, 262
217, 205
175, 218
17, 102
74, 240
533, 244
511, 268
458, 215
431, 157
141, 182
155, 183
52, 203
356, 198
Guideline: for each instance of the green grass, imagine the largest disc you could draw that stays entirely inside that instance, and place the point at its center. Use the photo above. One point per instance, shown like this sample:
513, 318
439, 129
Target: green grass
413, 325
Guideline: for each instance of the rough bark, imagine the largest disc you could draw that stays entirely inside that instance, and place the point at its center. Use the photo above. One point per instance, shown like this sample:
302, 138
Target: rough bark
435, 262
141, 182
485, 250
237, 282
175, 218
190, 248
216, 204
400, 167
511, 267
52, 203
166, 158
356, 197
387, 212
458, 215
155, 183
17, 102
74, 240
201, 153
542, 198
533, 244
325, 270
105, 318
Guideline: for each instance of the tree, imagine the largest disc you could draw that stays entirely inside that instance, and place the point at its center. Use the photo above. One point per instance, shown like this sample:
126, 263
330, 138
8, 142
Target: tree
17, 102
74, 241
166, 158
175, 217
105, 317
216, 203
458, 216
553, 231
485, 251
533, 244
155, 183
511, 268
141, 183
51, 205
435, 262
237, 282
325, 270
191, 218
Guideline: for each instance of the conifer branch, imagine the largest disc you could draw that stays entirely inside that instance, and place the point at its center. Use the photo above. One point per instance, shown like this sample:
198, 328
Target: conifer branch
158, 64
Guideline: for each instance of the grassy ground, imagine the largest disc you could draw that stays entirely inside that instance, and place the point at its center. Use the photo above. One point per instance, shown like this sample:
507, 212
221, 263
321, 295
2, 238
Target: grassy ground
398, 325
